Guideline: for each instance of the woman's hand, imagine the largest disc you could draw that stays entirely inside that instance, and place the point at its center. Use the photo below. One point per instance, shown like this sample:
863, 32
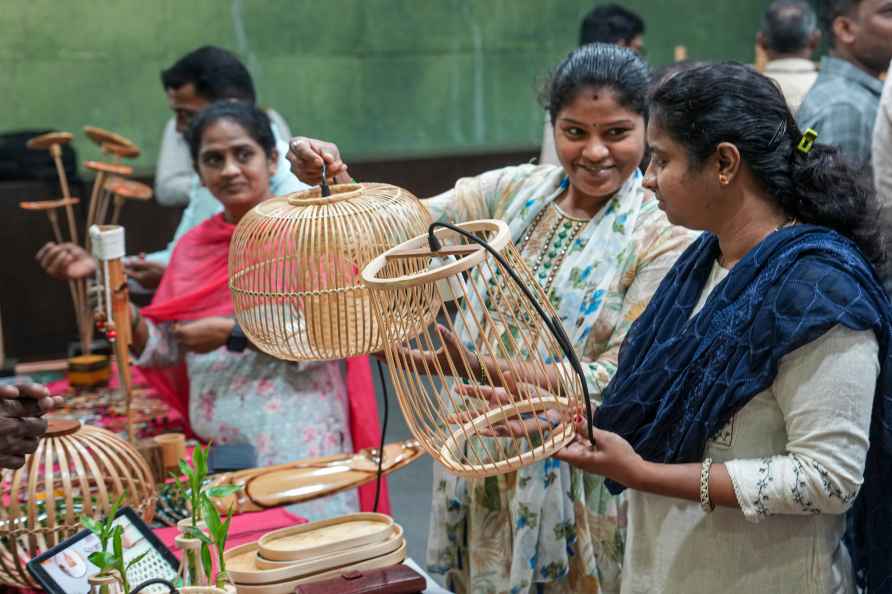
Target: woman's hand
451, 349
66, 261
21, 425
613, 457
146, 273
307, 155
205, 335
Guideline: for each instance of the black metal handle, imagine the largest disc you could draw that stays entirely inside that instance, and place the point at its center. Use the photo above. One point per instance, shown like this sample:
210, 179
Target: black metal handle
553, 324
155, 581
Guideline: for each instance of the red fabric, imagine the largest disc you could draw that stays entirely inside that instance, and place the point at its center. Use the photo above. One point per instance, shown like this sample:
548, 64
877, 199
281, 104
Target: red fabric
195, 286
245, 528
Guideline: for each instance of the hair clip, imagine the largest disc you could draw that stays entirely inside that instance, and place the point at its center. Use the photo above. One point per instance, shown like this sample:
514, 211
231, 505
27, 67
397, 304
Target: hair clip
807, 142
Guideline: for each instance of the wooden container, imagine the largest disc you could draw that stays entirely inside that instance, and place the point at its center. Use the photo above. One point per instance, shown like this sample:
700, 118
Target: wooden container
88, 371
245, 566
173, 449
288, 586
495, 337
325, 537
75, 470
295, 262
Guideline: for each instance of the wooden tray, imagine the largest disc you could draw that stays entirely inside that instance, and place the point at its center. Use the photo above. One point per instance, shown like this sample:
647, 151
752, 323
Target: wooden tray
304, 480
246, 566
288, 586
326, 536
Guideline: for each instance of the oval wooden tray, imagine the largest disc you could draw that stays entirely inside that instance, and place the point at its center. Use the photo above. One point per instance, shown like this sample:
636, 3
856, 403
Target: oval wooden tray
288, 586
303, 480
246, 566
326, 536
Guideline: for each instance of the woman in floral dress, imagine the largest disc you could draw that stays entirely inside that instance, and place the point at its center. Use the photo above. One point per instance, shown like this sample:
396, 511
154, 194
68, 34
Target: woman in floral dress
599, 245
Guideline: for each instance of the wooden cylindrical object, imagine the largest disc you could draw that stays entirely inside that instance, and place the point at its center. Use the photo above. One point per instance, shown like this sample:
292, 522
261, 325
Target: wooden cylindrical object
108, 248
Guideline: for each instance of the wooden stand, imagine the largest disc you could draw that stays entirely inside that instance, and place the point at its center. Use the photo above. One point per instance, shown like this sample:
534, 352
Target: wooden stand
114, 305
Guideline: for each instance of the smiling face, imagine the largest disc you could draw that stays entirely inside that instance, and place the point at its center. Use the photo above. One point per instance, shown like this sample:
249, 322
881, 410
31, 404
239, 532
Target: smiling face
684, 192
599, 143
234, 168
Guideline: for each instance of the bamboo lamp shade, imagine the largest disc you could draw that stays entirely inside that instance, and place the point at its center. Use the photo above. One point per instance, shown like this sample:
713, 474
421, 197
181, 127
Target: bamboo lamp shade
421, 299
76, 469
295, 264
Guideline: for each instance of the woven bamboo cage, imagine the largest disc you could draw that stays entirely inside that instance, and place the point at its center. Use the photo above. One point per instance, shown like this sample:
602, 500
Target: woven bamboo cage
76, 469
295, 264
456, 325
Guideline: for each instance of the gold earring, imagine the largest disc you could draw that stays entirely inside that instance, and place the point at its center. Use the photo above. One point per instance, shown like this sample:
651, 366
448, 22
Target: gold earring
723, 180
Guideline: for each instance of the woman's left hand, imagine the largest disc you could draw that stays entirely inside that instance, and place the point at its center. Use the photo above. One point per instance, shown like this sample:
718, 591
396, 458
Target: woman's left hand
613, 457
205, 335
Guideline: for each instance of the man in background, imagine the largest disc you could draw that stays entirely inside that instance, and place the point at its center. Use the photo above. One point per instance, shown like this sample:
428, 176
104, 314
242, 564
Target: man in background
789, 36
842, 105
196, 80
607, 23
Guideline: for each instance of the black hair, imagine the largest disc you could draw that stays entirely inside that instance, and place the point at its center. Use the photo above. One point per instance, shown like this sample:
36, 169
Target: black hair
788, 26
703, 106
829, 10
610, 23
216, 73
601, 66
254, 120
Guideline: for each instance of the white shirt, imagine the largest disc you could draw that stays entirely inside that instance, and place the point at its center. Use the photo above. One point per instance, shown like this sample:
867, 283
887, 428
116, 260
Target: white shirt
796, 454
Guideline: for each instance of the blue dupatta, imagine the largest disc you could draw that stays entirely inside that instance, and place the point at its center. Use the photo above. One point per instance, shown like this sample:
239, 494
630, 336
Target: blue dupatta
681, 378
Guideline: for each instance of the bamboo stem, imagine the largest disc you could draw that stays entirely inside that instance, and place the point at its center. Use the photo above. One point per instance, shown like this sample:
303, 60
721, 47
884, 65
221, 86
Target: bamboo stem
116, 213
56, 152
98, 182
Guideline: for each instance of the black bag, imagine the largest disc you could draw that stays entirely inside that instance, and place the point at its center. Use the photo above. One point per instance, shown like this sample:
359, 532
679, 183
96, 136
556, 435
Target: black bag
18, 162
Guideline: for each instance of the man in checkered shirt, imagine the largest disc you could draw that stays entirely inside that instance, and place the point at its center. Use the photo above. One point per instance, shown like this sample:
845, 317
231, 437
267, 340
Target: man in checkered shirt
842, 105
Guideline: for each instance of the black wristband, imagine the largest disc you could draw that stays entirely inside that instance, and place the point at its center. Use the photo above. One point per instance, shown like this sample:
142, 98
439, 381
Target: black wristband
237, 341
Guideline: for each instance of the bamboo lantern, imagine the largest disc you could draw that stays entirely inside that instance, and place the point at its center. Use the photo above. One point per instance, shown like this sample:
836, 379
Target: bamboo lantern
498, 339
76, 469
295, 263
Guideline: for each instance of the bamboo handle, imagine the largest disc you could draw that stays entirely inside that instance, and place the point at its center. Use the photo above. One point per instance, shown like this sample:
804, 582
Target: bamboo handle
56, 152
117, 280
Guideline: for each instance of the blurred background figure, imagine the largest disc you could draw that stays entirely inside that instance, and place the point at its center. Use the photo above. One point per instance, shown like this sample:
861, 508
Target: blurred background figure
789, 36
842, 105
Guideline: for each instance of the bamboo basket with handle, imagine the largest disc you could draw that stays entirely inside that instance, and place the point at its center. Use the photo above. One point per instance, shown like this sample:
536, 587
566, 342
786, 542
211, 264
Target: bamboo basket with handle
455, 327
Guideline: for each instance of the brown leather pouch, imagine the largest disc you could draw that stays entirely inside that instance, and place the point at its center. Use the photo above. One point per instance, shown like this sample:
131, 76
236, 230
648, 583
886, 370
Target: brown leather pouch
396, 579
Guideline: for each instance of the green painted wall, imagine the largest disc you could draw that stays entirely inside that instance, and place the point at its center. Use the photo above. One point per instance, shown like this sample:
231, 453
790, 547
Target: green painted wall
380, 77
